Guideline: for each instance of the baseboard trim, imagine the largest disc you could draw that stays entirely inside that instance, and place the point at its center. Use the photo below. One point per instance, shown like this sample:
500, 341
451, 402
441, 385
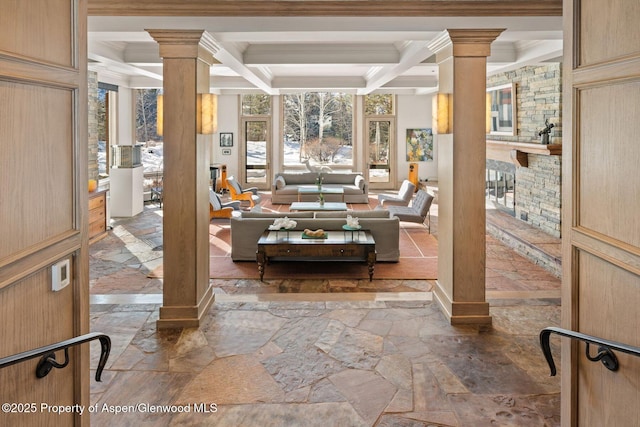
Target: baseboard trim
462, 313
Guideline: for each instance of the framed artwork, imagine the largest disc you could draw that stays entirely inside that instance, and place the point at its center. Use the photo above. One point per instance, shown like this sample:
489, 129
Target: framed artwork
226, 151
419, 145
501, 103
226, 139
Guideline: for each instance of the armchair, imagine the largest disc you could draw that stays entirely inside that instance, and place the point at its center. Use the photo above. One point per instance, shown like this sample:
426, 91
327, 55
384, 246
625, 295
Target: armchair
218, 209
402, 198
238, 193
417, 212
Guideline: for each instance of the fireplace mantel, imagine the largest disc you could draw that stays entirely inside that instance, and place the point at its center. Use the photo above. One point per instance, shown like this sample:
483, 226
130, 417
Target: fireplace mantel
517, 152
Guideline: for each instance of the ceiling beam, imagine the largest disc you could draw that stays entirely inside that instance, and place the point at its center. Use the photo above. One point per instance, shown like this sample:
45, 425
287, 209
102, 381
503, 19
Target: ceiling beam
430, 8
413, 54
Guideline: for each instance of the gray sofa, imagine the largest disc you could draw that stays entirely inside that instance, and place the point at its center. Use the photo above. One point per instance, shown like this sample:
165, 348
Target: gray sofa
284, 188
246, 229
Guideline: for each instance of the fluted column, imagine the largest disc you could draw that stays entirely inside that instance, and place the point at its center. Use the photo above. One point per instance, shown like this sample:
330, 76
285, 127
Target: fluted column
187, 56
460, 291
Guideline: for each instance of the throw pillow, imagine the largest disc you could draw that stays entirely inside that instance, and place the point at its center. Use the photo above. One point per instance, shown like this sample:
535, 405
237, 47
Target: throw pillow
360, 181
280, 183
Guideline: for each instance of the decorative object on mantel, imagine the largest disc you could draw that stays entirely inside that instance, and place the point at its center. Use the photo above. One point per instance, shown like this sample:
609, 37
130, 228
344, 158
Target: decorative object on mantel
544, 133
282, 223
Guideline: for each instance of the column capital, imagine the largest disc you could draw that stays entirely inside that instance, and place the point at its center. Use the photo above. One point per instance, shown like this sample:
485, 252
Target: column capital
474, 42
465, 42
185, 44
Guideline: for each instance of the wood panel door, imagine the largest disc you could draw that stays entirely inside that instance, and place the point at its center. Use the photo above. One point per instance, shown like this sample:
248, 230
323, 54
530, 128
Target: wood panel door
43, 204
601, 208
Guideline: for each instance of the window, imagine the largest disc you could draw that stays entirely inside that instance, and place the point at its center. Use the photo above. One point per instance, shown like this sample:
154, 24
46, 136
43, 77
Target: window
380, 123
255, 140
500, 185
147, 135
107, 125
256, 105
379, 104
318, 130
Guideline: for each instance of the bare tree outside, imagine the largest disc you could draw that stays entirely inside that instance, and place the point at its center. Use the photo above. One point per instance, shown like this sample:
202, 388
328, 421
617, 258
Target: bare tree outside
319, 126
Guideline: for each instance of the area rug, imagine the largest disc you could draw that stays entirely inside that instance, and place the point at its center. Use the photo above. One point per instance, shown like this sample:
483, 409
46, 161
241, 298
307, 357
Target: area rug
418, 260
418, 257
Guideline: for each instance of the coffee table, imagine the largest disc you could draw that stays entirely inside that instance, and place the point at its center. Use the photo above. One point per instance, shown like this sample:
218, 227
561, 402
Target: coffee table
314, 190
337, 246
316, 206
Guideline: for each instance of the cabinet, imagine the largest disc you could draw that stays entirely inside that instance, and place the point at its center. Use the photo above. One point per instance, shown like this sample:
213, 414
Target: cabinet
97, 215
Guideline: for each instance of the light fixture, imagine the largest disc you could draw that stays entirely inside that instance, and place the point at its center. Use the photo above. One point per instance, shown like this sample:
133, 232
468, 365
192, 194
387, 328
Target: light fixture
159, 115
207, 115
488, 113
442, 106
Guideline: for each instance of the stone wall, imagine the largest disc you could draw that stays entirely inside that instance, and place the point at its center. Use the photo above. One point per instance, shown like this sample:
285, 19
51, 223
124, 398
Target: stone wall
92, 78
538, 193
538, 98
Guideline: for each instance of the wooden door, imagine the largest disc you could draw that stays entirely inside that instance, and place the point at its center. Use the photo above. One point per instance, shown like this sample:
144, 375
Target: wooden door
601, 208
43, 204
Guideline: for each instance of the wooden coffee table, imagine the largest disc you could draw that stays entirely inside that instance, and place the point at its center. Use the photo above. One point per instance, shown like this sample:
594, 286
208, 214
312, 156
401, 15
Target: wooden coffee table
337, 247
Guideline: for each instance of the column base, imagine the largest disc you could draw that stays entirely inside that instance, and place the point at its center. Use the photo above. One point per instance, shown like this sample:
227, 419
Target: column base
463, 313
177, 317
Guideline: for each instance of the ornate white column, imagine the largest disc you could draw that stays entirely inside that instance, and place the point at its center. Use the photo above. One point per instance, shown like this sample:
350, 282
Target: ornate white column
187, 56
462, 60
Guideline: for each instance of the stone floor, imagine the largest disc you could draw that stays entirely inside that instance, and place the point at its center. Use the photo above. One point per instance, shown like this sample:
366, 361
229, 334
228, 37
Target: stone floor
378, 358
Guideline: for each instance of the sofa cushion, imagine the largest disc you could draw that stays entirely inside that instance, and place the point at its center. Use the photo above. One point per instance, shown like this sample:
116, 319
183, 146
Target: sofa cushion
250, 214
352, 189
299, 178
356, 214
339, 178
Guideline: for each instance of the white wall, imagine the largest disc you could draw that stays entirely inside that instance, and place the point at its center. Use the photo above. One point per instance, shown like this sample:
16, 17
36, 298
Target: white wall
228, 121
414, 112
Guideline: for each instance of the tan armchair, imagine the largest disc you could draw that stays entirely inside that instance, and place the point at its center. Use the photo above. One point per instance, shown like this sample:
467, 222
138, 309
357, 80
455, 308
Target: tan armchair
217, 209
238, 193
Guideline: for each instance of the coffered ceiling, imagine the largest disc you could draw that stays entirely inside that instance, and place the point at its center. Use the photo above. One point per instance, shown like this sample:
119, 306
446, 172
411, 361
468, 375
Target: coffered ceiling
280, 54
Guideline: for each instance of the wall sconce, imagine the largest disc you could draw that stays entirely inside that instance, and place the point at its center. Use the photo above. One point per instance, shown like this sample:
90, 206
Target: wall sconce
206, 115
159, 115
442, 113
488, 113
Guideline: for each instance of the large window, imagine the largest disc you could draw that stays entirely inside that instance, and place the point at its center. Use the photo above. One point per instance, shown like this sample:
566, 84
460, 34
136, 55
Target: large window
318, 130
147, 131
152, 143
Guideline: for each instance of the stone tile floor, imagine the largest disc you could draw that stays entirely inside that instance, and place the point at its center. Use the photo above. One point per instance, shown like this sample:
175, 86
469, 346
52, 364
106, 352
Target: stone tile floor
319, 359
